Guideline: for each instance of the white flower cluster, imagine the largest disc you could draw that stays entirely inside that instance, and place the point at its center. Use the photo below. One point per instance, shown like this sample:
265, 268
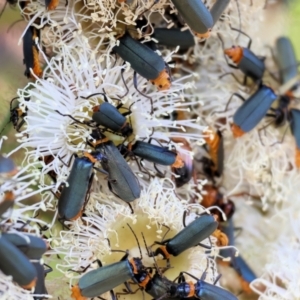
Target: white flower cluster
72, 60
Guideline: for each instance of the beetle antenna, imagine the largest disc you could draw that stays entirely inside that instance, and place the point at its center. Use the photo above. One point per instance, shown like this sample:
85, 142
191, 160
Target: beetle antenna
11, 102
152, 255
239, 13
137, 241
148, 251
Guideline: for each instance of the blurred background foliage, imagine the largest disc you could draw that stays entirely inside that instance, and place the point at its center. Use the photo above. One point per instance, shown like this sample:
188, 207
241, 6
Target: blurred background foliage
294, 24
11, 69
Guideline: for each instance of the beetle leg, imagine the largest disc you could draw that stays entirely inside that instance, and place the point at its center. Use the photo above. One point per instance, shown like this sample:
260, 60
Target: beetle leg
95, 94
127, 90
159, 173
135, 85
246, 35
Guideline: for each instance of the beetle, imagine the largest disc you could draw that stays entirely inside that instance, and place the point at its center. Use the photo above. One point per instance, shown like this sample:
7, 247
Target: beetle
105, 278
159, 286
121, 180
198, 17
153, 153
73, 197
14, 263
286, 60
190, 236
108, 115
31, 52
7, 202
197, 290
174, 37
144, 61
245, 60
246, 275
16, 114
32, 246
252, 110
288, 68
217, 10
156, 285
295, 129
214, 140
212, 197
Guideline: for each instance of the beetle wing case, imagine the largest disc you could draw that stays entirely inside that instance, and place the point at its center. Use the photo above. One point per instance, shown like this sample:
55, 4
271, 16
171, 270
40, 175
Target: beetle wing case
207, 291
159, 286
218, 9
103, 279
192, 234
72, 197
13, 262
251, 65
122, 180
288, 65
142, 59
254, 109
174, 37
108, 116
32, 246
195, 14
153, 153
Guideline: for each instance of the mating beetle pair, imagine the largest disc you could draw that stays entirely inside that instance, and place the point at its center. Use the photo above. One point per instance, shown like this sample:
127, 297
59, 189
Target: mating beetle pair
106, 278
193, 290
103, 279
121, 180
257, 105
